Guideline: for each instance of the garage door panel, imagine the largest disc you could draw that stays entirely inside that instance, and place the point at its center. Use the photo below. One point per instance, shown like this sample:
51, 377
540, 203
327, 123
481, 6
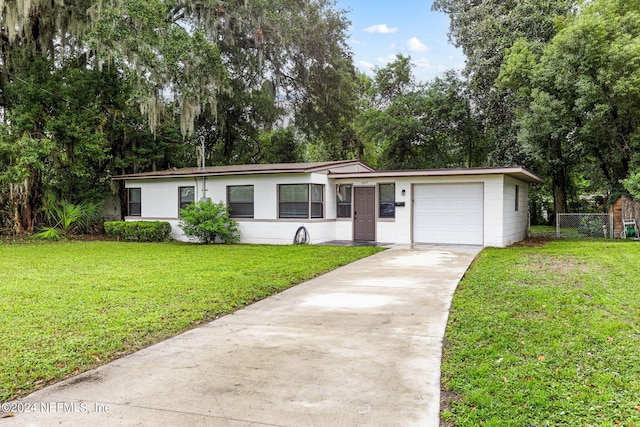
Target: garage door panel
448, 213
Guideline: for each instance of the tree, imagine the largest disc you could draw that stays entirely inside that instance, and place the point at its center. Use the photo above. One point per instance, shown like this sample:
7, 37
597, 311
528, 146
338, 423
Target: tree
280, 146
485, 30
452, 117
409, 125
66, 131
224, 70
287, 63
58, 106
579, 94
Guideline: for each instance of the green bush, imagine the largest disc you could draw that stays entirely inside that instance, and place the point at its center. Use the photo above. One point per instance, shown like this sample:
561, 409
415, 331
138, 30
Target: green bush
64, 219
141, 231
592, 227
209, 222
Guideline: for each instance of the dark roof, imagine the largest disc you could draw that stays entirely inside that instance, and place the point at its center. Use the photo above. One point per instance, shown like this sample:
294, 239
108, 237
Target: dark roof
517, 172
244, 169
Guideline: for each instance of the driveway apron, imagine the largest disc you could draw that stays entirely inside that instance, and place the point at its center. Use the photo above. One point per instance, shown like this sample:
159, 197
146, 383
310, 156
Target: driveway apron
359, 346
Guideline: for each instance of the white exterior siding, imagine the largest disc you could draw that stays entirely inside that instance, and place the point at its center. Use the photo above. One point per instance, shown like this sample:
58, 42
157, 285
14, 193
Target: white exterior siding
500, 222
344, 229
160, 202
159, 199
493, 203
264, 189
282, 232
515, 223
398, 229
392, 232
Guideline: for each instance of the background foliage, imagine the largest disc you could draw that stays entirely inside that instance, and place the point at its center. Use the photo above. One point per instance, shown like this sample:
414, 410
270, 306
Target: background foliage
104, 87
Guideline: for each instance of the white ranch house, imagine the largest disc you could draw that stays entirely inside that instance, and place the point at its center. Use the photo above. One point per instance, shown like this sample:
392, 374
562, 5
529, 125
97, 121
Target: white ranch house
345, 200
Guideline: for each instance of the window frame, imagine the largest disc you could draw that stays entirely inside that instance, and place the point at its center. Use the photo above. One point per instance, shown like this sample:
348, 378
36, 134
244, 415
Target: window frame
517, 198
347, 205
313, 213
310, 203
130, 203
387, 202
181, 204
230, 203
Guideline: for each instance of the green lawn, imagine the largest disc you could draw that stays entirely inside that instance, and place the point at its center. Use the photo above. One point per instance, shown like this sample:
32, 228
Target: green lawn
546, 335
68, 307
543, 231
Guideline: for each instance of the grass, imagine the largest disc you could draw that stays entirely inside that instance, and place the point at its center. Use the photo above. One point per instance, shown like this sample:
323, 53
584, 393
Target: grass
546, 335
71, 306
549, 232
543, 231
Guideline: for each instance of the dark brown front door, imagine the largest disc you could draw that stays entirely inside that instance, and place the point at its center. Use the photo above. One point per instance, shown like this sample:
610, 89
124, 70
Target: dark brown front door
364, 223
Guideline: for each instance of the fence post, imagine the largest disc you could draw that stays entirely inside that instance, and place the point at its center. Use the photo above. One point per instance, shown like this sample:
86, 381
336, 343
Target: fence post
557, 225
611, 225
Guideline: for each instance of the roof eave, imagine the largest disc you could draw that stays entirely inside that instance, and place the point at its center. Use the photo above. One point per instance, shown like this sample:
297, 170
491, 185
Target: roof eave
516, 172
205, 174
194, 172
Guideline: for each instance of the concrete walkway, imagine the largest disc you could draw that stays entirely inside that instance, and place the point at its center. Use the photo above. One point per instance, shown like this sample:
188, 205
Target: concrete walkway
359, 346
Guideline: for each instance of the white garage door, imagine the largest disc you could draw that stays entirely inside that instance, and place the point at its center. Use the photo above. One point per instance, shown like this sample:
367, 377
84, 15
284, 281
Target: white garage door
448, 213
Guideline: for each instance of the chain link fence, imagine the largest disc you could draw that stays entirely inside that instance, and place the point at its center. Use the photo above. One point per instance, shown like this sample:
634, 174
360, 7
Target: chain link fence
584, 225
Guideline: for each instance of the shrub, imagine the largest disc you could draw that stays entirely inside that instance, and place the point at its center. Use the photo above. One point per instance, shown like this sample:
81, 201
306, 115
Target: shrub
140, 231
64, 218
209, 222
114, 228
592, 227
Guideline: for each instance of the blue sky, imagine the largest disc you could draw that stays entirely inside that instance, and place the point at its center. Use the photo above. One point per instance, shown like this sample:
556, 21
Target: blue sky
381, 29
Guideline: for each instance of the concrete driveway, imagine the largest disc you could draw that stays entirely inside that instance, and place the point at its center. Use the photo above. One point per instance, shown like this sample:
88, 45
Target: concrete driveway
359, 346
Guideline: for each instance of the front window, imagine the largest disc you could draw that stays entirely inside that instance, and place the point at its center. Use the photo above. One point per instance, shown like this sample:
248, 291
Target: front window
317, 201
343, 197
301, 200
387, 200
186, 196
517, 198
240, 201
134, 197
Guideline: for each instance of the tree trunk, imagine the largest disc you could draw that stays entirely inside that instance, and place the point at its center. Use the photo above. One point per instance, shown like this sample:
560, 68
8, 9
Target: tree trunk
122, 197
559, 184
24, 199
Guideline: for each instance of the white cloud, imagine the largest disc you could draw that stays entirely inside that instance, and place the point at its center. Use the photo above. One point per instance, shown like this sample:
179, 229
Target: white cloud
381, 29
415, 45
423, 63
364, 65
385, 60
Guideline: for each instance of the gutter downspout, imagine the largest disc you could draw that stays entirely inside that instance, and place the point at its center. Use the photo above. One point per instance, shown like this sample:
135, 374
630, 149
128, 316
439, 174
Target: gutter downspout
202, 168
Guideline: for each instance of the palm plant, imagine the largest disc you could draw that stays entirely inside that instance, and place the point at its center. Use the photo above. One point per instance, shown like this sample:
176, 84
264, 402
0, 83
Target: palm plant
65, 218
